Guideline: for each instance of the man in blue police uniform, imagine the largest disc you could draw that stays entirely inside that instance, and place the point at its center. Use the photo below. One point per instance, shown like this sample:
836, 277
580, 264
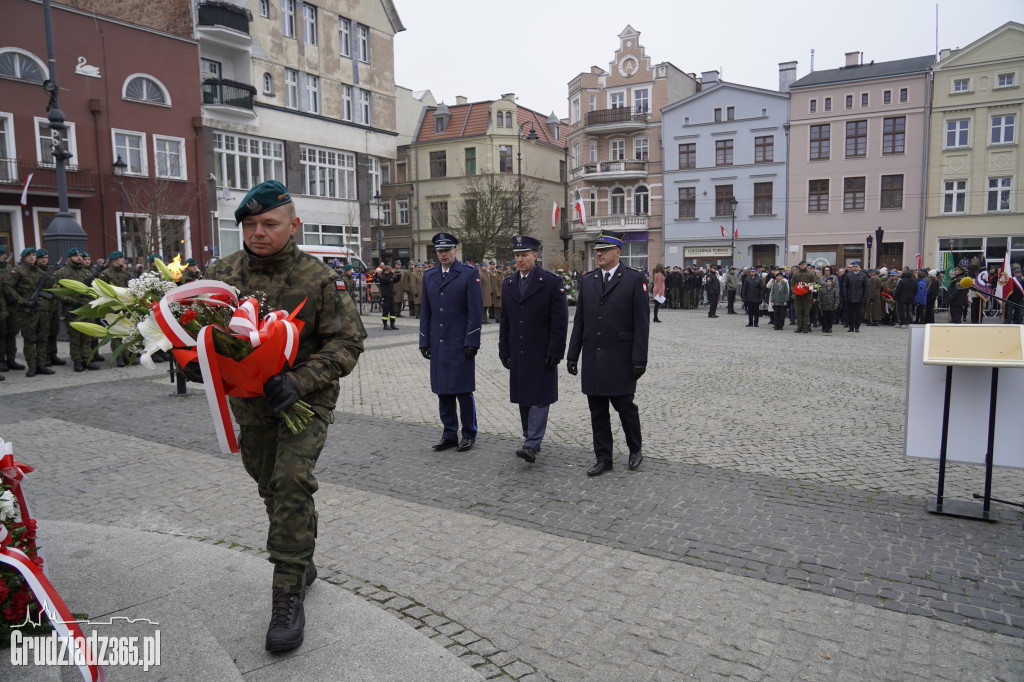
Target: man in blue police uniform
451, 308
610, 329
531, 340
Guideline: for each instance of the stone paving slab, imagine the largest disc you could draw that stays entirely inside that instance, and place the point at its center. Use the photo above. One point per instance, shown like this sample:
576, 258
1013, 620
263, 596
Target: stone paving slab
566, 608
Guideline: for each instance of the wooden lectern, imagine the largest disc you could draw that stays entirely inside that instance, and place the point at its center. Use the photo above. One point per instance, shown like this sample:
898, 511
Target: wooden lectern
953, 345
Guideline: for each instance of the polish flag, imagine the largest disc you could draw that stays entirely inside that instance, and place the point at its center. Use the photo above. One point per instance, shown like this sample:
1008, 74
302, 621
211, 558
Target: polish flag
918, 261
583, 214
1006, 277
24, 190
554, 216
735, 233
723, 229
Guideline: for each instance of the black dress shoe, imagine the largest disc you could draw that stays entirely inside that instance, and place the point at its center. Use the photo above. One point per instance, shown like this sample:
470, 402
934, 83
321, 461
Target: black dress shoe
599, 469
466, 444
44, 370
635, 458
446, 444
287, 621
527, 453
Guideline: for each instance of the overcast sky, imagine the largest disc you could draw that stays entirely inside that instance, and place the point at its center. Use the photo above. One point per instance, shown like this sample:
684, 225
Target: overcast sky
485, 48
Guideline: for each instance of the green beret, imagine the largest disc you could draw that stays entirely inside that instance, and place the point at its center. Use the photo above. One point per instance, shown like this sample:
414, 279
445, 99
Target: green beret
27, 252
85, 254
190, 261
153, 257
262, 198
115, 254
346, 267
42, 252
73, 252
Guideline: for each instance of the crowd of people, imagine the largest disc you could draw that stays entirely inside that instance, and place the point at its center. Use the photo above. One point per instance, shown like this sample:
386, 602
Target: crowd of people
819, 297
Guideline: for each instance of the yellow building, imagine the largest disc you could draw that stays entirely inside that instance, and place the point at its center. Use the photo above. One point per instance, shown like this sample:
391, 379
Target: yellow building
974, 200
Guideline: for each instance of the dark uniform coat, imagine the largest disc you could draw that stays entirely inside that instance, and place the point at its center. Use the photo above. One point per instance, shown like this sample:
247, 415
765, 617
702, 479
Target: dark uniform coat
450, 318
533, 327
610, 330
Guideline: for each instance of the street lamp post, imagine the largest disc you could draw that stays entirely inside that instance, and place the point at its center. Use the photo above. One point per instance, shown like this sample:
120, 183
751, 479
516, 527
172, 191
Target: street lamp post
380, 230
878, 245
564, 227
867, 263
119, 168
733, 203
532, 137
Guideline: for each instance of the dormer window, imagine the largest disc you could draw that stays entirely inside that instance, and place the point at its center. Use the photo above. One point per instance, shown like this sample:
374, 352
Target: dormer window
441, 117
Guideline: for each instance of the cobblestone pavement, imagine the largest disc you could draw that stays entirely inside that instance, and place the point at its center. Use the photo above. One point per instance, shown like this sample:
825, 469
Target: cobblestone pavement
766, 536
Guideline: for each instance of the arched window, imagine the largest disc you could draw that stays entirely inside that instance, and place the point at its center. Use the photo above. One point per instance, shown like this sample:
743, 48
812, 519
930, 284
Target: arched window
142, 88
508, 119
24, 66
268, 84
641, 201
618, 201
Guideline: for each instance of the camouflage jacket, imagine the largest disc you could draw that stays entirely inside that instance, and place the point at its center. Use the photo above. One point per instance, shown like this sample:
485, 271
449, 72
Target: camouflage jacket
5, 285
23, 281
79, 273
331, 338
118, 276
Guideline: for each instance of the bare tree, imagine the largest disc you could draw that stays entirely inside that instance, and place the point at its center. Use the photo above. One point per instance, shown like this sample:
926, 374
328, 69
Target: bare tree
488, 216
152, 224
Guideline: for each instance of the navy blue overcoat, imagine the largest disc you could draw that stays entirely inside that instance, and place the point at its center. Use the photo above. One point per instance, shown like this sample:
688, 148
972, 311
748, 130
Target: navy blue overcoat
533, 327
610, 330
451, 311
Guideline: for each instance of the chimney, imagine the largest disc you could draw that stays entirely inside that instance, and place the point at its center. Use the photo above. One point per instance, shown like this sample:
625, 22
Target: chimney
459, 99
944, 53
596, 70
708, 77
787, 74
510, 96
853, 58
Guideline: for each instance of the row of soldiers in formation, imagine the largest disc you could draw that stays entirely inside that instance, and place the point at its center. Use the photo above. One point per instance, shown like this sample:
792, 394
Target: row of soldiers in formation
26, 307
407, 282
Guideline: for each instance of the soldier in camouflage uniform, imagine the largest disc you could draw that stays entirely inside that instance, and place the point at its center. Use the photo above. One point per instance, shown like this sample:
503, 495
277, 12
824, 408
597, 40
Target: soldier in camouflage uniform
117, 274
49, 305
331, 340
81, 346
32, 322
191, 272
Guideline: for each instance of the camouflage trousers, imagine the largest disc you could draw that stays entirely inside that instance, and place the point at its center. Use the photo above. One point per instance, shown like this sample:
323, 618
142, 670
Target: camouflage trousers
282, 463
10, 338
80, 344
51, 336
35, 329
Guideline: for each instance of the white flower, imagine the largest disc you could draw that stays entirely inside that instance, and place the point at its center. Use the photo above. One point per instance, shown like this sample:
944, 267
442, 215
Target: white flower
118, 325
154, 340
122, 296
7, 502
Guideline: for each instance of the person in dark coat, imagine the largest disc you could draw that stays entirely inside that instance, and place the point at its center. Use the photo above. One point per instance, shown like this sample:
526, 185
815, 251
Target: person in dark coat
451, 311
956, 297
386, 282
855, 292
531, 340
713, 288
611, 330
751, 293
906, 289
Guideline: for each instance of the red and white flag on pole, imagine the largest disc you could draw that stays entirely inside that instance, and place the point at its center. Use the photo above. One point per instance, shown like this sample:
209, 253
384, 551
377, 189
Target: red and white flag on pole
1006, 278
24, 190
735, 233
723, 229
918, 261
554, 216
583, 214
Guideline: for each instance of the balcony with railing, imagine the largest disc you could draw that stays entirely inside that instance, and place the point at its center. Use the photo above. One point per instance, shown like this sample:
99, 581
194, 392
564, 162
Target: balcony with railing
619, 223
620, 119
44, 177
610, 170
224, 23
228, 93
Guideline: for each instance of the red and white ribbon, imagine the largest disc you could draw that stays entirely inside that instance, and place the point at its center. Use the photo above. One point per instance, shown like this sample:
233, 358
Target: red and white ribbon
276, 339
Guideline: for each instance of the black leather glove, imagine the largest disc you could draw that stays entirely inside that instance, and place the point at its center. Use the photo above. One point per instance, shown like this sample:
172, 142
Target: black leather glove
470, 351
637, 369
280, 392
551, 362
192, 372
30, 307
506, 363
572, 367
425, 352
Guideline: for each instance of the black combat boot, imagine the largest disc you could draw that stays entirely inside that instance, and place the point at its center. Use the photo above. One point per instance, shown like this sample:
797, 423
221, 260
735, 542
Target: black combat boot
4, 367
393, 323
79, 367
385, 324
44, 370
54, 360
14, 364
287, 621
30, 372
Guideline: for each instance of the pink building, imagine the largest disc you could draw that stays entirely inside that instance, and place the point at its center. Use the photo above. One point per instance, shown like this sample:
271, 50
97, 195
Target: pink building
857, 162
615, 159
